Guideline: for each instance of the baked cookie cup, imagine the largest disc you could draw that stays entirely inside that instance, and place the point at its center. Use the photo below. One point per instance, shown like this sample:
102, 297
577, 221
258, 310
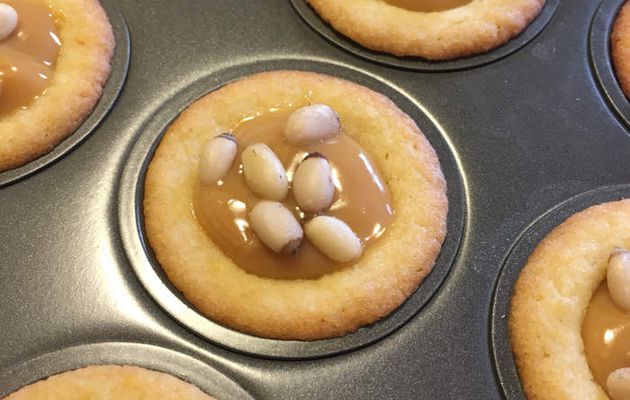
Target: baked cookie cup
551, 298
107, 382
333, 304
620, 47
81, 69
475, 27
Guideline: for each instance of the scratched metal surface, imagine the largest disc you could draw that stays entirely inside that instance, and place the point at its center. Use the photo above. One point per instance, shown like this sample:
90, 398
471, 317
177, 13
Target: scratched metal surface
524, 133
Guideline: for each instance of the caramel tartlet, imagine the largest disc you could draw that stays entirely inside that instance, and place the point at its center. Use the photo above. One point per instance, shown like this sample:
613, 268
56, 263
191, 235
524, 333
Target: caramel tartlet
53, 64
431, 29
253, 259
567, 334
620, 47
109, 382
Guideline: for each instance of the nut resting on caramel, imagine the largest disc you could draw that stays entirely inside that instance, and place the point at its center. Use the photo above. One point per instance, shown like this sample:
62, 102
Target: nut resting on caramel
276, 227
8, 20
618, 278
217, 158
313, 187
618, 384
312, 123
334, 238
264, 173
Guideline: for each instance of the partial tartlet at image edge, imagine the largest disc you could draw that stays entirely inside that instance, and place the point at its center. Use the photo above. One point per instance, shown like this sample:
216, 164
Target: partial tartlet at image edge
74, 78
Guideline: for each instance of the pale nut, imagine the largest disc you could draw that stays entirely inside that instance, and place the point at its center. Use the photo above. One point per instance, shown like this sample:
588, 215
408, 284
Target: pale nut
217, 158
313, 187
334, 238
618, 278
276, 227
618, 384
312, 123
8, 20
264, 172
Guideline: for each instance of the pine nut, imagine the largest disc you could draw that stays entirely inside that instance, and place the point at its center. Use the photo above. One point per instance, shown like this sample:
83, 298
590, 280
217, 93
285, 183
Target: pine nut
8, 20
217, 158
313, 186
276, 227
264, 172
334, 238
618, 384
618, 278
312, 123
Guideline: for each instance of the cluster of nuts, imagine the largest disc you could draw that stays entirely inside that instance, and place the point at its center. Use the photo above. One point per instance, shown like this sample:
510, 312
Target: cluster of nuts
8, 20
312, 186
618, 280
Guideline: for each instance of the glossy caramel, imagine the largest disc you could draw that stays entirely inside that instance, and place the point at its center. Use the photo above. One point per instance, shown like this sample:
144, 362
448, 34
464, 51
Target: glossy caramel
606, 335
362, 200
27, 56
428, 5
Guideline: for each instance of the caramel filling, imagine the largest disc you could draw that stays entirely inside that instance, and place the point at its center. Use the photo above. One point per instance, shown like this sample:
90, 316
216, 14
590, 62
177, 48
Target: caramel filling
428, 5
606, 334
362, 200
27, 57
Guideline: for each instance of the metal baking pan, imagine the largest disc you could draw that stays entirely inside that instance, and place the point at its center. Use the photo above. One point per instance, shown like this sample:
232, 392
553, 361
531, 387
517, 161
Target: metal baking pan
525, 134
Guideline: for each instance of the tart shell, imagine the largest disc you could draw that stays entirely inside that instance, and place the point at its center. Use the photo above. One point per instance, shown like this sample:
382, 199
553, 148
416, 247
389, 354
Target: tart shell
552, 295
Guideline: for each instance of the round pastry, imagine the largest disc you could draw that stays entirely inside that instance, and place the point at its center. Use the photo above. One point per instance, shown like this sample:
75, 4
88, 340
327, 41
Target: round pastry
53, 66
110, 382
432, 29
562, 322
620, 47
332, 282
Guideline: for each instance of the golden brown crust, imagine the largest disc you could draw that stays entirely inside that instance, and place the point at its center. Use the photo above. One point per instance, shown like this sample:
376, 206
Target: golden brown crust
110, 382
620, 47
551, 297
83, 66
471, 29
337, 303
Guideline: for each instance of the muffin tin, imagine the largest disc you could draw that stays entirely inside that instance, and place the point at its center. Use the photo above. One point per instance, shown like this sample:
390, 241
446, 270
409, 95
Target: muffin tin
520, 135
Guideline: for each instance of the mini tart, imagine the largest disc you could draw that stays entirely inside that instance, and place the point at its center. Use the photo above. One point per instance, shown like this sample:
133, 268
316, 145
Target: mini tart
81, 70
470, 29
110, 382
552, 295
337, 303
620, 47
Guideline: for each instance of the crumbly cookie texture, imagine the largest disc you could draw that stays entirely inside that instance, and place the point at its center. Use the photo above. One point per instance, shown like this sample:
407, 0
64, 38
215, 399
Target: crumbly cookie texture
471, 29
82, 68
552, 295
110, 382
337, 303
620, 47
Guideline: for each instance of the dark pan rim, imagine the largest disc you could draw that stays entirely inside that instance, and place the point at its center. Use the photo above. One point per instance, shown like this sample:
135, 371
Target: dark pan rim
504, 366
601, 60
170, 299
161, 359
313, 20
111, 91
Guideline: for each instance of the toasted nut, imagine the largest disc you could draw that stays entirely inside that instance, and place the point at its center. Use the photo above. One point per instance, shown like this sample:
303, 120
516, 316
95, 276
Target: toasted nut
217, 158
618, 384
312, 123
276, 227
264, 172
8, 20
619, 278
334, 238
313, 186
